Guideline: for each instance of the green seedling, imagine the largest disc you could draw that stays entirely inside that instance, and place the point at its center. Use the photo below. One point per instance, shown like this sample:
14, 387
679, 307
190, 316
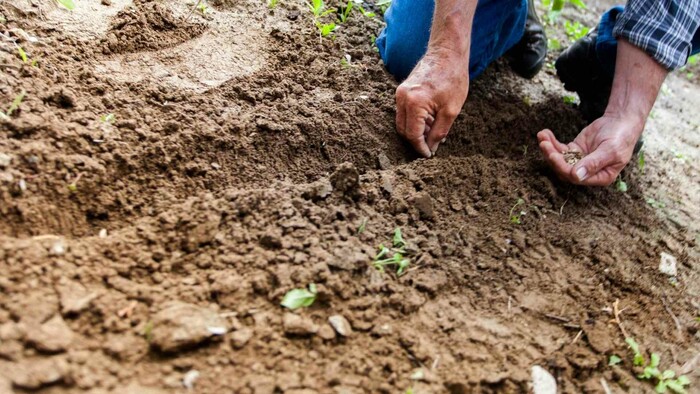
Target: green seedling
318, 9
299, 298
363, 226
641, 160
393, 256
108, 118
344, 13
575, 31
22, 54
569, 100
556, 6
383, 5
638, 356
67, 4
665, 380
515, 216
272, 3
693, 60
326, 29
14, 106
203, 8
148, 331
620, 185
367, 14
614, 360
553, 44
655, 204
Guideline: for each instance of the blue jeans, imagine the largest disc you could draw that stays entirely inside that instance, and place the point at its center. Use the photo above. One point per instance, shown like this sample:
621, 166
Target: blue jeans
498, 25
606, 44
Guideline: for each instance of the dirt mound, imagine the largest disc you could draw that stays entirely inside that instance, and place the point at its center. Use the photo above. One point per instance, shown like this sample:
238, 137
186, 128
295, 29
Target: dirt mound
156, 206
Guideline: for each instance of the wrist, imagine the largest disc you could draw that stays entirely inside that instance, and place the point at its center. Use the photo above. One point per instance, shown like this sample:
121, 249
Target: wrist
451, 34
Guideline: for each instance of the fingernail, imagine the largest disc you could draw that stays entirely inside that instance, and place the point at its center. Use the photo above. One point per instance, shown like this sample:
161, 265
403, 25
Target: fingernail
443, 140
435, 148
581, 173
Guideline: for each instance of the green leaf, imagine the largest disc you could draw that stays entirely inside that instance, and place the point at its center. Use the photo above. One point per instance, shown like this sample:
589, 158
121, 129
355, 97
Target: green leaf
632, 344
621, 186
578, 3
16, 103
668, 374
655, 360
641, 160
676, 387
398, 240
661, 387
683, 380
299, 298
614, 360
22, 54
403, 265
68, 4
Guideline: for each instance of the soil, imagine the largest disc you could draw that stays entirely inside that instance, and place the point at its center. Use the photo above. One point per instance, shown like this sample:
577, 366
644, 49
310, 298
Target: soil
149, 253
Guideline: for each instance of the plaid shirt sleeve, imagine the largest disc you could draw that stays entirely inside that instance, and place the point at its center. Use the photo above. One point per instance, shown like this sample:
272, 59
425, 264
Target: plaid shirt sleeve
662, 28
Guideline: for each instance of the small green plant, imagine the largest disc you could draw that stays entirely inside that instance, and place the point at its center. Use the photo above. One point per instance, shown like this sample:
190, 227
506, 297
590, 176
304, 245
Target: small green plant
318, 9
68, 4
553, 44
108, 118
326, 29
383, 5
272, 3
569, 100
695, 59
14, 106
555, 7
148, 331
22, 54
345, 12
393, 256
299, 298
664, 380
514, 216
368, 14
614, 360
620, 185
363, 226
203, 8
641, 160
655, 203
575, 31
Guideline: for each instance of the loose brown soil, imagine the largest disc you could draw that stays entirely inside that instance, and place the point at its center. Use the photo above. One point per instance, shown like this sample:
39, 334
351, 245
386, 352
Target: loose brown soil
241, 162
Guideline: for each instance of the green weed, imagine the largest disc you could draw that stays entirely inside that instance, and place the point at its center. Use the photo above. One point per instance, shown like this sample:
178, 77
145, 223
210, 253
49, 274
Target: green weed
202, 8
393, 256
14, 106
695, 59
620, 185
368, 14
363, 226
641, 160
515, 217
655, 204
148, 331
575, 31
614, 360
326, 29
665, 380
318, 9
108, 118
569, 100
553, 44
22, 54
272, 3
383, 5
345, 14
299, 298
555, 7
68, 4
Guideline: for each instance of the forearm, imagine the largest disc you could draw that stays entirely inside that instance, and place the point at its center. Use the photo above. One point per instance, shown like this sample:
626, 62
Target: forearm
452, 27
638, 79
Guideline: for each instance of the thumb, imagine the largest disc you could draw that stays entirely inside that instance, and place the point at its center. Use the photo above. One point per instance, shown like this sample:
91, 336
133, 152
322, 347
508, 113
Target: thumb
439, 130
592, 164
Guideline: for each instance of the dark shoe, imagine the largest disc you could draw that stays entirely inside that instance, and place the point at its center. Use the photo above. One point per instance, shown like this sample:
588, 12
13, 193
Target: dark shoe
527, 56
578, 68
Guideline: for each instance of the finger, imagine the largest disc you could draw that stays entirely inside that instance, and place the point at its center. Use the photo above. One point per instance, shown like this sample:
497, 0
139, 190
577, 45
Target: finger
548, 135
589, 166
400, 115
415, 132
605, 177
440, 129
555, 159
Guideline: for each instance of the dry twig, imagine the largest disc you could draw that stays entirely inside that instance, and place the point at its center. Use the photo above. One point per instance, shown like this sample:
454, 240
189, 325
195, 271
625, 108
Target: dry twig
616, 313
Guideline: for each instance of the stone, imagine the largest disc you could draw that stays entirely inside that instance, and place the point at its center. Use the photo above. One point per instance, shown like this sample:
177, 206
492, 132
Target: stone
5, 160
346, 178
668, 264
52, 337
33, 374
383, 161
326, 332
74, 297
542, 381
297, 325
181, 325
318, 190
240, 338
340, 325
424, 204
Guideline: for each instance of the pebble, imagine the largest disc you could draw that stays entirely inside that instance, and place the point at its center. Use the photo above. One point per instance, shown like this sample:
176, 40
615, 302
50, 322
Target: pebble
180, 325
5, 160
326, 333
668, 264
383, 161
542, 381
424, 204
240, 338
35, 373
190, 377
53, 336
297, 325
340, 325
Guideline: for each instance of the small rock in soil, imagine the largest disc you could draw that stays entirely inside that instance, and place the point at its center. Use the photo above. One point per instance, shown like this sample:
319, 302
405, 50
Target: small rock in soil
572, 157
318, 190
53, 336
190, 378
326, 332
387, 184
298, 325
36, 373
424, 204
542, 381
383, 161
180, 325
668, 264
346, 178
340, 325
241, 337
5, 160
74, 297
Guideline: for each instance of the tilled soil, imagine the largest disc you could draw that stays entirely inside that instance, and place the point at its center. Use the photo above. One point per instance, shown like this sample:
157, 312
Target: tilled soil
244, 160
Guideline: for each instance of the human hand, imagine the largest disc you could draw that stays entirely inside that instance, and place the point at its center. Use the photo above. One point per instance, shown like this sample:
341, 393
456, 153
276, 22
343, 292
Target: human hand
606, 144
429, 100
